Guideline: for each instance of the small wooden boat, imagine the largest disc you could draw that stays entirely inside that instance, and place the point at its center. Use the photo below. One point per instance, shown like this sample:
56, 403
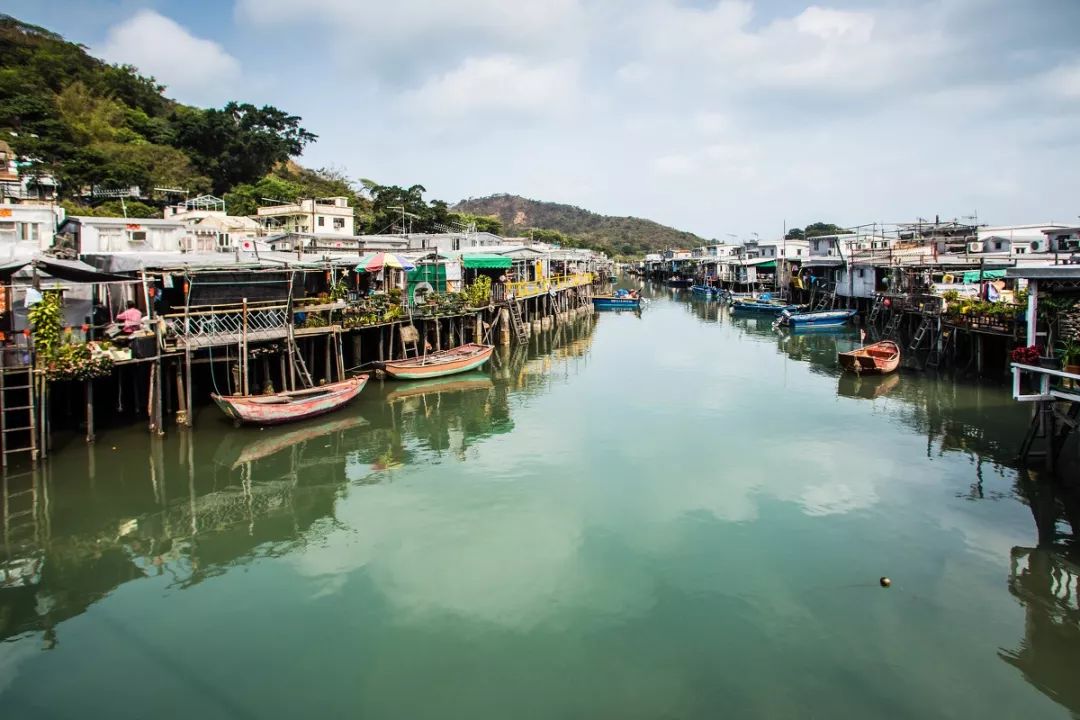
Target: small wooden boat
708, 291
824, 319
285, 407
679, 282
616, 302
461, 359
880, 358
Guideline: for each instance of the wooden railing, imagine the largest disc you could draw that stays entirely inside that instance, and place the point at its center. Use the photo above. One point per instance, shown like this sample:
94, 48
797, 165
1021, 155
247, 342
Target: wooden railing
211, 325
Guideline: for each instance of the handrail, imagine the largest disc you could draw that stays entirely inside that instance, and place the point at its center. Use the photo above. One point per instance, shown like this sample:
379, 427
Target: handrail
531, 288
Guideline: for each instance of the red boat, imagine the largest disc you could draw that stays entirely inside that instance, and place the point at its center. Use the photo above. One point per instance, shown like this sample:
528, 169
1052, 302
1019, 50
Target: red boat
290, 406
881, 358
461, 359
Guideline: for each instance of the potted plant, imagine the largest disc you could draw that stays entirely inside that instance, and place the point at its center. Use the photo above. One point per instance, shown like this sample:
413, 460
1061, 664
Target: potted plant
1069, 352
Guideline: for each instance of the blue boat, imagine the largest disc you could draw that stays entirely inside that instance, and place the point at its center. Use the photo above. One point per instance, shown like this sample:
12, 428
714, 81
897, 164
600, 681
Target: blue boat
707, 290
621, 300
763, 306
824, 319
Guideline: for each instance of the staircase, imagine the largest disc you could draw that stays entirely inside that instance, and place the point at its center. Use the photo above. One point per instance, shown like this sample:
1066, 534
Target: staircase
517, 322
18, 414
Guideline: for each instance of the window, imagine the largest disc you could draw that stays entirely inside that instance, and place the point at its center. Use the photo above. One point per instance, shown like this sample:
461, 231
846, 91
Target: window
138, 236
339, 223
322, 221
798, 251
997, 244
1021, 251
816, 245
28, 231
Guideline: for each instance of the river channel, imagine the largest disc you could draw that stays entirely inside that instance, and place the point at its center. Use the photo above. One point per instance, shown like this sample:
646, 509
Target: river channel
671, 514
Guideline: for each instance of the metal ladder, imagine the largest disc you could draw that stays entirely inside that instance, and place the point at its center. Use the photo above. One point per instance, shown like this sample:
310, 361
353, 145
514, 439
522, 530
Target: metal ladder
939, 349
18, 414
875, 311
924, 327
20, 507
892, 328
517, 322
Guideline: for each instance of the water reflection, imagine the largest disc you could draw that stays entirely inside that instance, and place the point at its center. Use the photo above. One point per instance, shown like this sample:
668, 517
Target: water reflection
1046, 580
190, 506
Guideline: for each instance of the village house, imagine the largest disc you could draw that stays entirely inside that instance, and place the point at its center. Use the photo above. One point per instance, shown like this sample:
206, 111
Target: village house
26, 229
85, 235
330, 216
211, 229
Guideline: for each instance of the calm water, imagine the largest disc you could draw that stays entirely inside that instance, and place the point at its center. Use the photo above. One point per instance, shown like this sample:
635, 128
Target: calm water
677, 515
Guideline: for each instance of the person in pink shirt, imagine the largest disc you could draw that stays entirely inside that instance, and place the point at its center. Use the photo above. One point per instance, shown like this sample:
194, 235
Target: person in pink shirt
131, 318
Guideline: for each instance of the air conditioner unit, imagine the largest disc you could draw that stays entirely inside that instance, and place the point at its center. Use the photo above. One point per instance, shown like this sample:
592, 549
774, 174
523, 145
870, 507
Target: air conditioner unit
1038, 246
975, 246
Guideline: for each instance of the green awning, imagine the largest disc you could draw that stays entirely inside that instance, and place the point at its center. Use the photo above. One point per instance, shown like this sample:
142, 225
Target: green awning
768, 265
972, 276
486, 262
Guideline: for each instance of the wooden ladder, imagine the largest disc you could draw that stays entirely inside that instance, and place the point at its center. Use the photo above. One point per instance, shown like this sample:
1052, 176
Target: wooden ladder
301, 366
517, 322
18, 412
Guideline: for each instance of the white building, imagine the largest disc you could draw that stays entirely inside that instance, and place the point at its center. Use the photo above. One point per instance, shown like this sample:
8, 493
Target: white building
210, 228
313, 216
27, 229
112, 234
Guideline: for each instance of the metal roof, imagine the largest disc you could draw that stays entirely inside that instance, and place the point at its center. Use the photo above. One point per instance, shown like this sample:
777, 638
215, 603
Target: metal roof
1045, 272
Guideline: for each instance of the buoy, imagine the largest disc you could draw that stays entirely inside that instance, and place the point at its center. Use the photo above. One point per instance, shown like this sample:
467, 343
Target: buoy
885, 582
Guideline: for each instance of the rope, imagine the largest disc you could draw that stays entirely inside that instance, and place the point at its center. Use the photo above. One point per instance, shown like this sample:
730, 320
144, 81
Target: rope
213, 375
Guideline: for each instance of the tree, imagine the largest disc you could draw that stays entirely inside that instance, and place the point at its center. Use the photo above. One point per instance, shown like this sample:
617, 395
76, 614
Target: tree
819, 229
239, 143
795, 234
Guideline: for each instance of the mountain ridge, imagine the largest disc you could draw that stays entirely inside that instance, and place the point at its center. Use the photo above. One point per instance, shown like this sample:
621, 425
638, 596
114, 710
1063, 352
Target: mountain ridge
617, 235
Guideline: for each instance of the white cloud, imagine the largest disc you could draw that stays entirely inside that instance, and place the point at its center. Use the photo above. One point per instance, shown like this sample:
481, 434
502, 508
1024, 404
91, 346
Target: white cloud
675, 165
1063, 81
194, 69
501, 83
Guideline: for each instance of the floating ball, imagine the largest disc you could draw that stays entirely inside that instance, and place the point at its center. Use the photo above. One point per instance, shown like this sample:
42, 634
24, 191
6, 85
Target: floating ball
885, 582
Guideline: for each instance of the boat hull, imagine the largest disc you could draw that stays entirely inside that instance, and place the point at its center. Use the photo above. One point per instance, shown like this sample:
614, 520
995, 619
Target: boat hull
292, 406
448, 362
616, 303
880, 358
680, 283
826, 319
761, 307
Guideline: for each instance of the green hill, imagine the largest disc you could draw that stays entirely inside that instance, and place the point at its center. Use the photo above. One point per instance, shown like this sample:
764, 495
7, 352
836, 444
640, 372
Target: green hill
615, 235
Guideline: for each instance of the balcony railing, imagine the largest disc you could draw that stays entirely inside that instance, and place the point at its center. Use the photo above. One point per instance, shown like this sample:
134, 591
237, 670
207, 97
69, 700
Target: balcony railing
1049, 384
225, 324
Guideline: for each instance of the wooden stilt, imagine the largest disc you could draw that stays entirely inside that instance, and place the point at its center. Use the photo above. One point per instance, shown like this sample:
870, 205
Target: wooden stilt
89, 411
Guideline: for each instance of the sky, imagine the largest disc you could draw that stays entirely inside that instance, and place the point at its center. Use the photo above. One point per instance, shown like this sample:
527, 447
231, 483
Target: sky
726, 117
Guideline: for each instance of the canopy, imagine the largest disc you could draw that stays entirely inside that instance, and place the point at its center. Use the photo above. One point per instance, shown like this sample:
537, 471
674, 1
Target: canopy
972, 276
767, 265
379, 261
486, 262
70, 270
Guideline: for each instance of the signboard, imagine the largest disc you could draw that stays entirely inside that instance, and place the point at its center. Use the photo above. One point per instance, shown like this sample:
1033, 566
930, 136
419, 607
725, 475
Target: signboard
453, 272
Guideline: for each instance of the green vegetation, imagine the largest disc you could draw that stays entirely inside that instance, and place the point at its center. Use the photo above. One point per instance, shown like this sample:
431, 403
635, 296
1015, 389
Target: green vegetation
571, 226
818, 229
89, 123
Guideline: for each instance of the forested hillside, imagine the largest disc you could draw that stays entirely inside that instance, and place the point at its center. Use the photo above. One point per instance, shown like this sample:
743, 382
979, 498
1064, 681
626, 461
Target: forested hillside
616, 235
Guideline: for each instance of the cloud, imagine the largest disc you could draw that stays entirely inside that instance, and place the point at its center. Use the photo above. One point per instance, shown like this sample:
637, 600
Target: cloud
194, 69
499, 83
1063, 81
674, 165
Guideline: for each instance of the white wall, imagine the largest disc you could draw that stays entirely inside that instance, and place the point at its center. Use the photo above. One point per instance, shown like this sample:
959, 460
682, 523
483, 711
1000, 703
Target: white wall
860, 287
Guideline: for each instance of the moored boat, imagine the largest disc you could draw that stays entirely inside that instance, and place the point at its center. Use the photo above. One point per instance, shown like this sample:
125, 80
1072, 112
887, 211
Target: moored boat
285, 407
462, 358
763, 306
616, 302
879, 358
823, 319
679, 282
707, 290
